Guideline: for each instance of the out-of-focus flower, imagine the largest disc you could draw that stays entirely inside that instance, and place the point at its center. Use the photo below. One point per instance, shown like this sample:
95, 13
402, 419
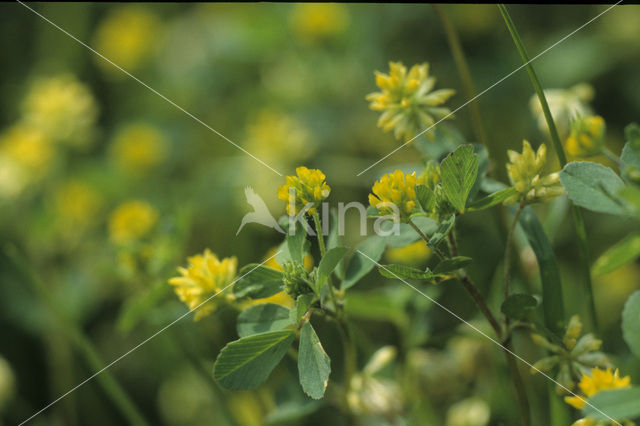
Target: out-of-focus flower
412, 254
524, 172
26, 156
599, 380
371, 395
63, 108
319, 20
565, 104
574, 357
7, 383
205, 276
587, 136
406, 99
76, 204
131, 221
469, 412
395, 193
138, 147
308, 186
247, 408
278, 137
128, 36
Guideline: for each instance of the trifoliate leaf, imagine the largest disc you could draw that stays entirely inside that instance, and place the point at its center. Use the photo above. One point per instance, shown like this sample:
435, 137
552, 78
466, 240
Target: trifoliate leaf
458, 173
262, 318
593, 186
314, 365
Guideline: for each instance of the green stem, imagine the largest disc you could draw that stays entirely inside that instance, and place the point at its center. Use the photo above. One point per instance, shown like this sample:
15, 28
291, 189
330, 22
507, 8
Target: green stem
426, 239
318, 224
82, 344
578, 219
611, 156
507, 250
465, 73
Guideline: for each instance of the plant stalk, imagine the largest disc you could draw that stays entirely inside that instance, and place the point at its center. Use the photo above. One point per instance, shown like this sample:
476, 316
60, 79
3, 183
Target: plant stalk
576, 212
507, 250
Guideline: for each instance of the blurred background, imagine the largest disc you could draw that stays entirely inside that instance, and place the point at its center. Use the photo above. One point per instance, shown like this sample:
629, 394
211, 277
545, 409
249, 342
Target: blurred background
105, 188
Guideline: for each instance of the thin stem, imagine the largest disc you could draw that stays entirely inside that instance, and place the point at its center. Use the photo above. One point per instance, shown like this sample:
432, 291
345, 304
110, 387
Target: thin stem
576, 212
426, 239
611, 156
518, 384
81, 342
465, 73
507, 250
318, 224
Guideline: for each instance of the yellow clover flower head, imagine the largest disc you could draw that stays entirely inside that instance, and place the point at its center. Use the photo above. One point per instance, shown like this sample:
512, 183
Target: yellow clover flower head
63, 108
319, 20
308, 186
138, 148
599, 380
205, 276
587, 136
407, 100
131, 221
524, 170
395, 193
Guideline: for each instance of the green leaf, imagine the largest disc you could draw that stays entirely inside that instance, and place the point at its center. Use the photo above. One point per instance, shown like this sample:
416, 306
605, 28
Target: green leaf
459, 171
618, 404
552, 300
492, 199
246, 363
593, 186
426, 198
404, 272
359, 265
314, 366
452, 264
302, 306
630, 156
620, 254
328, 263
518, 306
631, 323
260, 282
262, 318
296, 244
442, 231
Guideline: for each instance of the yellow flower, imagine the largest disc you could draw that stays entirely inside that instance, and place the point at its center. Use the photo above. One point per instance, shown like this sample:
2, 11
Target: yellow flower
565, 104
76, 203
412, 254
131, 221
205, 276
307, 187
598, 381
127, 36
395, 193
138, 147
275, 137
524, 172
319, 20
587, 136
62, 108
407, 100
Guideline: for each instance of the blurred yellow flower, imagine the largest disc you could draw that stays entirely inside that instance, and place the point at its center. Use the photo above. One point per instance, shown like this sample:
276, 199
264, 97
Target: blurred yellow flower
395, 193
407, 100
524, 170
131, 221
277, 137
205, 277
136, 148
565, 104
598, 381
412, 254
127, 36
26, 155
319, 20
76, 203
63, 108
469, 412
587, 136
307, 187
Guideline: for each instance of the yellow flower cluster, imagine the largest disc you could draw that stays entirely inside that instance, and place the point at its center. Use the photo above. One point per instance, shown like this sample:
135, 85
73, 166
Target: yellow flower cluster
524, 172
319, 20
406, 99
205, 276
587, 136
307, 187
131, 221
138, 147
62, 108
598, 381
395, 193
128, 37
565, 104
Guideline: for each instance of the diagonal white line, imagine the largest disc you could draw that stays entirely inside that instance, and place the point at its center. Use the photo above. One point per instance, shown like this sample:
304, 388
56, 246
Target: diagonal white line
142, 343
488, 337
151, 89
489, 88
